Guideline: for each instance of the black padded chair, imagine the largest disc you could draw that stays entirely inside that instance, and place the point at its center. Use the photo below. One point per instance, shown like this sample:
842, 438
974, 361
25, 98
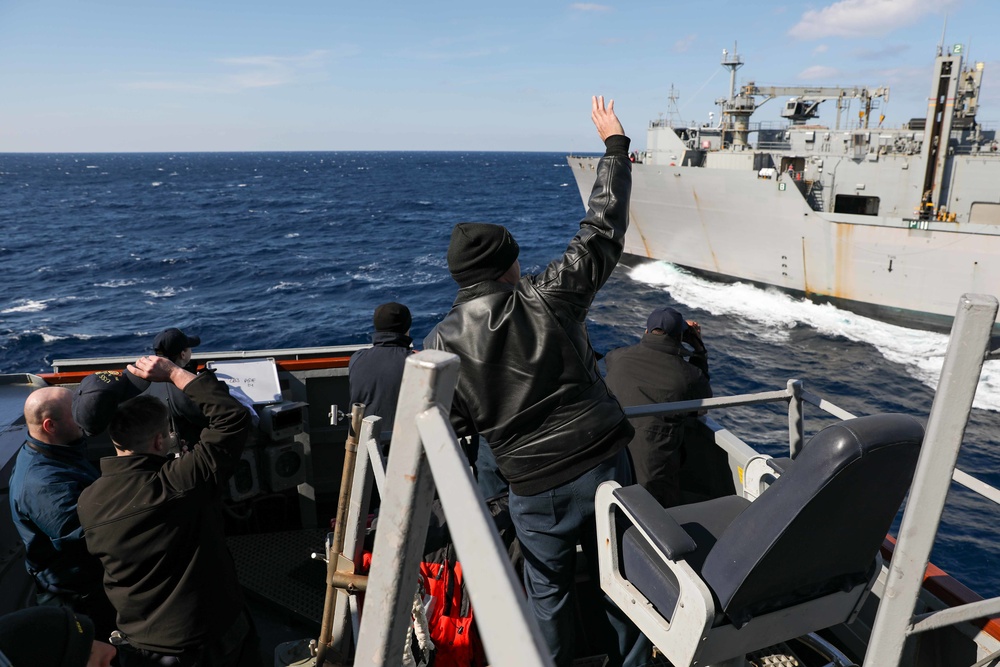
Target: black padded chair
712, 581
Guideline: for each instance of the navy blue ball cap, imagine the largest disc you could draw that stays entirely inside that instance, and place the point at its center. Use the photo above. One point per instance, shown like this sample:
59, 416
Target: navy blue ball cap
669, 320
97, 398
171, 342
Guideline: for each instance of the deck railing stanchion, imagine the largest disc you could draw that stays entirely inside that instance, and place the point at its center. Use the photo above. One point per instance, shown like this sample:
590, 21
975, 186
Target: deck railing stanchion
507, 626
945, 430
429, 378
796, 418
354, 537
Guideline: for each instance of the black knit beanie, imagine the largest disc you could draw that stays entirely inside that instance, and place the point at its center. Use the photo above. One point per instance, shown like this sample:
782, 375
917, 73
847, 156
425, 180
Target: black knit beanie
479, 251
392, 316
52, 636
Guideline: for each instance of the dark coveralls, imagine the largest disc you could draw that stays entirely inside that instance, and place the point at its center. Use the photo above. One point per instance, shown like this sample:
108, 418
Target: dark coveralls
375, 374
655, 371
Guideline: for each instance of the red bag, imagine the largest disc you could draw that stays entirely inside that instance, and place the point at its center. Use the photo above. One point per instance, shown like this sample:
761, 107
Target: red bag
449, 614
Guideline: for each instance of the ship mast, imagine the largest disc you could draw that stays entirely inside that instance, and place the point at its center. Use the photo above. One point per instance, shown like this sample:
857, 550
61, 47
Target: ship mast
673, 113
953, 103
736, 112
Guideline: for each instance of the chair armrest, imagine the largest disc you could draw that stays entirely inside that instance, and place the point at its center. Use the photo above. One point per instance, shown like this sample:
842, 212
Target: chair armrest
664, 532
692, 617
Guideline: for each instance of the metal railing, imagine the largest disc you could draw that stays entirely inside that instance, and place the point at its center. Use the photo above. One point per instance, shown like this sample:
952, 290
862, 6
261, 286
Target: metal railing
431, 451
419, 456
895, 620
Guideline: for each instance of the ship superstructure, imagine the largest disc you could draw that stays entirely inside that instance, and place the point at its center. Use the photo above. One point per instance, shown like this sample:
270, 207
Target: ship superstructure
892, 222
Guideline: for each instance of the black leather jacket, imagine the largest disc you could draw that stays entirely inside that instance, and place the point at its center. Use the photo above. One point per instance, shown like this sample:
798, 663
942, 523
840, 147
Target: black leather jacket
528, 381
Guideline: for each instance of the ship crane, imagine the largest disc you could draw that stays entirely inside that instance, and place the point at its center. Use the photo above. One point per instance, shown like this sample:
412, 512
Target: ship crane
803, 105
805, 102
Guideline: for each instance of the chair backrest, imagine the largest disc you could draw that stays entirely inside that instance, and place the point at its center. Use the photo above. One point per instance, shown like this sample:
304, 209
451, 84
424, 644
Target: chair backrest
818, 528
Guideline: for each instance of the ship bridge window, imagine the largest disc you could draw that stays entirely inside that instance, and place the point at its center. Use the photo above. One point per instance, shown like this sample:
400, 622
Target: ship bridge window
855, 205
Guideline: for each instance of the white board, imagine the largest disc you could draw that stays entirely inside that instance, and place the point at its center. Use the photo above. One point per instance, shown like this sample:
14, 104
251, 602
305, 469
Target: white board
258, 378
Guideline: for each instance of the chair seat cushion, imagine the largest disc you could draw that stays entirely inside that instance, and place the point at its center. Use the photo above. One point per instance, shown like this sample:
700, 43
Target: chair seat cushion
645, 569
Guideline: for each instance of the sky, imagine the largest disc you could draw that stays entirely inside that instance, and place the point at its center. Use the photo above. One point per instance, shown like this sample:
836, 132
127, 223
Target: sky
222, 75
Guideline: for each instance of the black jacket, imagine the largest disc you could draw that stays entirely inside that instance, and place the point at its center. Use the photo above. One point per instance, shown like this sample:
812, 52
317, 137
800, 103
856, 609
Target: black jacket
528, 380
655, 371
376, 373
156, 524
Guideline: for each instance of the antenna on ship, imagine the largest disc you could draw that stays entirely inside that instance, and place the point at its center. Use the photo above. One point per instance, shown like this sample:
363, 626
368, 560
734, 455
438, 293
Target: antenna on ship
732, 62
944, 30
673, 113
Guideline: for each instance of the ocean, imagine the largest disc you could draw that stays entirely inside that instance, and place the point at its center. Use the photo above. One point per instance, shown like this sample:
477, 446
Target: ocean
99, 252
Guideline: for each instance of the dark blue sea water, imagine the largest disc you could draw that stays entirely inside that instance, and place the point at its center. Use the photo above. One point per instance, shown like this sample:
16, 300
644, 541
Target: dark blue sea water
265, 250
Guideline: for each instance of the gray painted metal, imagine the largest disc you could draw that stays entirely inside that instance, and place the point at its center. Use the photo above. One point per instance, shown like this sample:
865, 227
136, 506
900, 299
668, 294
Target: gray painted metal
945, 429
97, 363
354, 539
429, 379
953, 615
979, 486
808, 231
509, 630
796, 419
418, 455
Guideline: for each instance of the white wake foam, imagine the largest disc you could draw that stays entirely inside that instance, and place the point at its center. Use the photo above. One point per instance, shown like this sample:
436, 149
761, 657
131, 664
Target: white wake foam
921, 353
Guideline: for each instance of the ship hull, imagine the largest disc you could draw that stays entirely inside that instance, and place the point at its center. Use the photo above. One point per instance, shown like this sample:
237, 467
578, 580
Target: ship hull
732, 225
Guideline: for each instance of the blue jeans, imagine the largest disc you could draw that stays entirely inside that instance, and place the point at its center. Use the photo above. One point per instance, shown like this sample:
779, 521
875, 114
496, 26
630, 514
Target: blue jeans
549, 525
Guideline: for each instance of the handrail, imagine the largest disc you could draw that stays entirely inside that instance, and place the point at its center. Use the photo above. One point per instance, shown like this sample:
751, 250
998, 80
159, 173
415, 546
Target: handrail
418, 456
959, 476
946, 425
795, 394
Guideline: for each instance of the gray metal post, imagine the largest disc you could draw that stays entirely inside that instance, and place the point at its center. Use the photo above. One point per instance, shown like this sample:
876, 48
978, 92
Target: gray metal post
509, 629
949, 416
429, 379
354, 537
796, 418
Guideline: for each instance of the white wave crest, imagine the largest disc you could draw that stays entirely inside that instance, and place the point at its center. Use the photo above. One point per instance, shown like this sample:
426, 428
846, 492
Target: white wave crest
921, 353
283, 286
167, 291
54, 338
113, 284
27, 306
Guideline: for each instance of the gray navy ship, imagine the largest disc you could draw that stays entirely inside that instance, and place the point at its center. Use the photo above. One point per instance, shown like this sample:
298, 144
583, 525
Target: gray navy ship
893, 223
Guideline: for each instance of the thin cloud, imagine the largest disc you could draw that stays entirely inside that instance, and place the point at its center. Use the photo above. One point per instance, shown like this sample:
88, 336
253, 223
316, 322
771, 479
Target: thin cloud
818, 73
882, 53
266, 71
245, 73
821, 48
863, 18
589, 7
456, 55
682, 45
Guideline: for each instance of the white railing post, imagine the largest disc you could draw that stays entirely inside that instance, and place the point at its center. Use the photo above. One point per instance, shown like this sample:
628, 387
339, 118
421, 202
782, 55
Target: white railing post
949, 416
354, 537
429, 379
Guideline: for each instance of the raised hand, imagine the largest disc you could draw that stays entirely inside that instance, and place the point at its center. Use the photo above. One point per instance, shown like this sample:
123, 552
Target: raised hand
605, 120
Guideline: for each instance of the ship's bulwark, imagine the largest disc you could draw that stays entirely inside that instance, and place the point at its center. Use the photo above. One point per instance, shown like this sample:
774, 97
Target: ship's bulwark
732, 225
